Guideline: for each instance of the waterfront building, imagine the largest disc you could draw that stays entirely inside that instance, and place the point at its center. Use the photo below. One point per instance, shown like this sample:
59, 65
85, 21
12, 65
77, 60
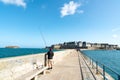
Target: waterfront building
115, 46
71, 45
57, 46
88, 44
104, 46
84, 45
79, 44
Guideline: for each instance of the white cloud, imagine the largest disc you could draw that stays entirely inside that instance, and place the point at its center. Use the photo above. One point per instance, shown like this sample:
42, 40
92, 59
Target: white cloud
115, 29
69, 9
115, 36
80, 11
15, 2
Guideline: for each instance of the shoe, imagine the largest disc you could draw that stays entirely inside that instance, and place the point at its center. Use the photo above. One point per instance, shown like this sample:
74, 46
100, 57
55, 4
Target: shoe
48, 68
51, 68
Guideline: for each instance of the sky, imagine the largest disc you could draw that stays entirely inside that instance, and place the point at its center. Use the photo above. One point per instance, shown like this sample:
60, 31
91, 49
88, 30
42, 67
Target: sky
40, 23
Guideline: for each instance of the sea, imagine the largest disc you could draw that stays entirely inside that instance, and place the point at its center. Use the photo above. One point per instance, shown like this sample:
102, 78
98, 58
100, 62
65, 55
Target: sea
109, 58
13, 52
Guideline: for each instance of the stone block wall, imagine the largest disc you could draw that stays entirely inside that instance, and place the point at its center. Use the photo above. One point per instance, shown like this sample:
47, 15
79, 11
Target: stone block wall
11, 68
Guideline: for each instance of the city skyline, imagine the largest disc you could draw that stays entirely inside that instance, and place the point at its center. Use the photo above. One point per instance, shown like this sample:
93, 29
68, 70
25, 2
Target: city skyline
40, 23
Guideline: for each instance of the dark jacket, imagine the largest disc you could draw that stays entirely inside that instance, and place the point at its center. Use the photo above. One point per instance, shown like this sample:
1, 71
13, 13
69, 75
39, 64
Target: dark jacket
50, 54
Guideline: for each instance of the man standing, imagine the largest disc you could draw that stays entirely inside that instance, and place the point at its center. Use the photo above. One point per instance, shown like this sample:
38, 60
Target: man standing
50, 58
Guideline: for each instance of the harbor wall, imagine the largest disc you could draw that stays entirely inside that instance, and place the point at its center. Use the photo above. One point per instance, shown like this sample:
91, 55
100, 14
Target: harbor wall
11, 68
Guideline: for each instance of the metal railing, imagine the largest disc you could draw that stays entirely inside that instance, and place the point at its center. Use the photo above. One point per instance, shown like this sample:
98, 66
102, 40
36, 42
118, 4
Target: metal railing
102, 69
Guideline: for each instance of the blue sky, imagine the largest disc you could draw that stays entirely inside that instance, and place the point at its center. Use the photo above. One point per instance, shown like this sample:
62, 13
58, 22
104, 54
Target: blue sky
23, 21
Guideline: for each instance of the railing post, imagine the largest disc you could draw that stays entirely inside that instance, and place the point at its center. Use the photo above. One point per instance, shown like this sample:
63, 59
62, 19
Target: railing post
104, 69
92, 63
96, 67
90, 60
103, 72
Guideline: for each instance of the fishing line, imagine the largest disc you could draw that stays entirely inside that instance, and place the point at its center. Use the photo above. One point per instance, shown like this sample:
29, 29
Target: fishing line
43, 38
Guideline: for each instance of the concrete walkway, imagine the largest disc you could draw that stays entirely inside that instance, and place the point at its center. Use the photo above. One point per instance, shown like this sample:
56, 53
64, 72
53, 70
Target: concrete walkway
67, 69
72, 67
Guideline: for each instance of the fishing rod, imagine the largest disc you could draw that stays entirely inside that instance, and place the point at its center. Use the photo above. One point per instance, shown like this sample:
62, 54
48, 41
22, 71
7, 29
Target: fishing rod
43, 39
45, 57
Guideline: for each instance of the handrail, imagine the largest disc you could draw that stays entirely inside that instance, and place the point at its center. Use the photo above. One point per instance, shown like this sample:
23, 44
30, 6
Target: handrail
104, 66
80, 66
89, 68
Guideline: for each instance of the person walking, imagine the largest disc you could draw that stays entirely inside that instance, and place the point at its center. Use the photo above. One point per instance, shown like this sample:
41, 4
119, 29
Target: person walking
50, 58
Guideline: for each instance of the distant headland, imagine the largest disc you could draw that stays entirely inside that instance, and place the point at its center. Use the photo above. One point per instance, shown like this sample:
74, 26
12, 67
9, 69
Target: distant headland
12, 47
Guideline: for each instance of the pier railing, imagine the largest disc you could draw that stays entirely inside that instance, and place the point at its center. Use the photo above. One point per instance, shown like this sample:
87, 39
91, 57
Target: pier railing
106, 72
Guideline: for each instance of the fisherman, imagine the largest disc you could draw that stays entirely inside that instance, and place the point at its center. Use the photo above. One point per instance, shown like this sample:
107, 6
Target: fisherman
50, 58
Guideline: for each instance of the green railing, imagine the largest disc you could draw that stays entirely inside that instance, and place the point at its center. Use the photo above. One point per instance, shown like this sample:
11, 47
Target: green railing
102, 69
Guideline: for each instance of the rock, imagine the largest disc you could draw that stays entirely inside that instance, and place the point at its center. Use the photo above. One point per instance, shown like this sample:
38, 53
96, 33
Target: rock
12, 47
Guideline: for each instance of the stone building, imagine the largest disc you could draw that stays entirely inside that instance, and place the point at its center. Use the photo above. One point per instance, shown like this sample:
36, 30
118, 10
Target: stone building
79, 44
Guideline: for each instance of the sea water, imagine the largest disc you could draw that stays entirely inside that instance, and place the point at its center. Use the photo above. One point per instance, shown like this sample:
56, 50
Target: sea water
110, 58
12, 52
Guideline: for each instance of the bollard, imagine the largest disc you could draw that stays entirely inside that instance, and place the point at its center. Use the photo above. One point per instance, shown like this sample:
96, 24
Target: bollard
96, 67
45, 60
103, 72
